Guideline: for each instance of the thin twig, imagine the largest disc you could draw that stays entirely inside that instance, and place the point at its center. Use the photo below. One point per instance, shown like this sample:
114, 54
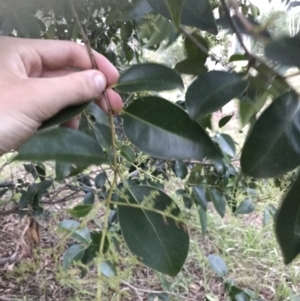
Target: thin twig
155, 292
60, 200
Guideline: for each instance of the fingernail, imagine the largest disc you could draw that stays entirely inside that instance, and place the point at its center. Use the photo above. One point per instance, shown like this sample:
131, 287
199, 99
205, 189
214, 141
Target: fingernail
100, 82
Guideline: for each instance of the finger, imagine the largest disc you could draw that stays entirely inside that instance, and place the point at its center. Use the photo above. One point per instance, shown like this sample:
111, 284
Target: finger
56, 54
51, 95
57, 73
115, 101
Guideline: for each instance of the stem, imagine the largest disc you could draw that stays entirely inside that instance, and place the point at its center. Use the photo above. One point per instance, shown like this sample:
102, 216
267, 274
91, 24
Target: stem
114, 147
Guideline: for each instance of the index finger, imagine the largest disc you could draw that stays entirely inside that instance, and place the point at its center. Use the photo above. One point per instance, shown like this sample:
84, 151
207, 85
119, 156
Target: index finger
56, 54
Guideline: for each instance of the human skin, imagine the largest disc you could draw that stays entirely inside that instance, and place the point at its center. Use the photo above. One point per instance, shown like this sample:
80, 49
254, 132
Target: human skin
39, 78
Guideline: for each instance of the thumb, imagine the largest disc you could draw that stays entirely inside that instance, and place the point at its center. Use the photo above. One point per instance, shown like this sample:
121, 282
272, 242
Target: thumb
52, 95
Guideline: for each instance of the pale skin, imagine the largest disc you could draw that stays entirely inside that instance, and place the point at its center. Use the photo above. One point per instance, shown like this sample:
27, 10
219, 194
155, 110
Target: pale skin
38, 78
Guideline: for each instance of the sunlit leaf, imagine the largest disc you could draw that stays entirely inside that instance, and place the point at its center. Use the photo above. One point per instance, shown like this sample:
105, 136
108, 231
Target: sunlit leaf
80, 210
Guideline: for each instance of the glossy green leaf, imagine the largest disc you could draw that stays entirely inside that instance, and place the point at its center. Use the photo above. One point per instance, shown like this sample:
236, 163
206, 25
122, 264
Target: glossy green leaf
108, 269
273, 146
80, 210
218, 200
94, 247
194, 13
284, 50
74, 253
148, 233
203, 219
64, 115
62, 145
200, 195
245, 207
288, 223
147, 127
100, 179
128, 153
223, 121
180, 169
175, 8
218, 265
149, 77
191, 66
211, 91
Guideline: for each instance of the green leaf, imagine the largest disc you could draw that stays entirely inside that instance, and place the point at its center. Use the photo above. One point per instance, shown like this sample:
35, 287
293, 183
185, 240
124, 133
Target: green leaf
225, 120
64, 115
62, 145
175, 7
74, 253
160, 242
203, 220
95, 245
200, 195
218, 265
245, 207
194, 13
80, 210
62, 170
28, 196
163, 29
272, 147
108, 269
180, 169
284, 50
149, 77
238, 57
226, 144
72, 228
147, 127
100, 179
288, 223
191, 66
249, 108
89, 198
211, 91
128, 153
218, 200
192, 50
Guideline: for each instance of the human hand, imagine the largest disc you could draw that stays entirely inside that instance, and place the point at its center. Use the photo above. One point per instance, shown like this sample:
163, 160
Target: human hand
38, 78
